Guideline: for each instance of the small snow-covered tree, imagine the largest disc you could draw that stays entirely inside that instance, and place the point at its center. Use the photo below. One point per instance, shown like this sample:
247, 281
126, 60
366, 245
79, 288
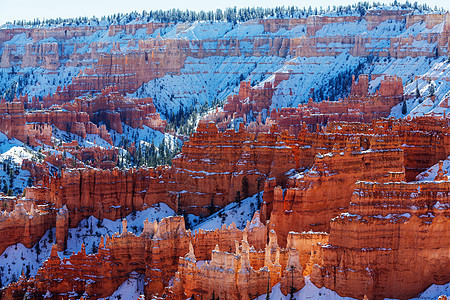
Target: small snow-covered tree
432, 90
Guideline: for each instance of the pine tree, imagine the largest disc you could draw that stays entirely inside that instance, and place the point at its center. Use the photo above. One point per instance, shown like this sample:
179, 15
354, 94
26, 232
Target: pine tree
238, 199
404, 108
245, 187
432, 90
38, 249
268, 288
27, 272
211, 205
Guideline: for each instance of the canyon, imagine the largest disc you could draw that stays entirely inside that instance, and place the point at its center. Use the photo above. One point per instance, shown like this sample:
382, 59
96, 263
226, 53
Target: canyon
314, 153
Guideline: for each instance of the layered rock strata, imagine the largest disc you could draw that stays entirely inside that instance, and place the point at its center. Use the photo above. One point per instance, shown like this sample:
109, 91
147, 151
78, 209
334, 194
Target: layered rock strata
165, 251
392, 242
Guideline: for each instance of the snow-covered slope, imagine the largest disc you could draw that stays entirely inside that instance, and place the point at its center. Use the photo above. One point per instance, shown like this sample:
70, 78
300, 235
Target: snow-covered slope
214, 78
430, 173
239, 213
130, 289
35, 81
431, 78
12, 152
310, 291
144, 135
309, 73
18, 258
434, 291
203, 80
91, 140
90, 230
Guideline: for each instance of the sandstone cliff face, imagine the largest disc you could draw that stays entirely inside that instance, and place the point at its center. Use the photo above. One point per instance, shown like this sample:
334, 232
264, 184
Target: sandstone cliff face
102, 193
321, 193
427, 140
372, 155
34, 127
139, 61
391, 243
423, 140
108, 107
215, 168
44, 55
113, 109
12, 120
312, 200
78, 117
25, 226
250, 98
155, 252
359, 106
99, 275
390, 230
245, 272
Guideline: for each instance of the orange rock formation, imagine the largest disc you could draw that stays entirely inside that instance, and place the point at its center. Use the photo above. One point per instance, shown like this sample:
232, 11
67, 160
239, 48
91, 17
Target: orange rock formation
392, 242
360, 106
165, 250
